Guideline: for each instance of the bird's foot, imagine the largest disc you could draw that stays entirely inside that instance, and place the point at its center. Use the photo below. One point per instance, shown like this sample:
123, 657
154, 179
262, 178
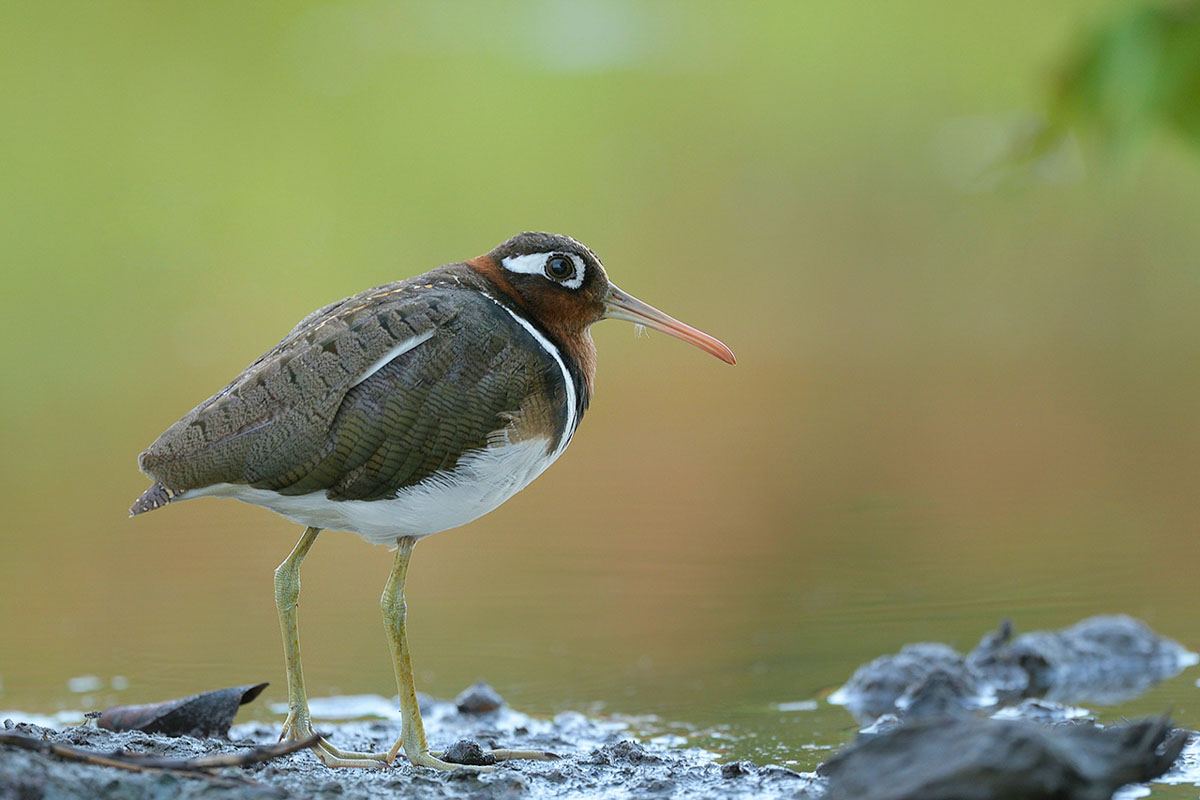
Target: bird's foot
431, 758
298, 725
528, 755
426, 758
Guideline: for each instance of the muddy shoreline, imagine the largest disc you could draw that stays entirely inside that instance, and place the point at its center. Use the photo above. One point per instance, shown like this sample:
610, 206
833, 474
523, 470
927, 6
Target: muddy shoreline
597, 760
994, 722
1071, 760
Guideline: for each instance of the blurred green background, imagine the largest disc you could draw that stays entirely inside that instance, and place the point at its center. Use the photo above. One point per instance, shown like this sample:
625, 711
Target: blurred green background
958, 397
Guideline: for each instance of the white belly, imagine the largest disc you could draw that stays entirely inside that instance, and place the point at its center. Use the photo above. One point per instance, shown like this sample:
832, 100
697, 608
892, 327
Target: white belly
479, 483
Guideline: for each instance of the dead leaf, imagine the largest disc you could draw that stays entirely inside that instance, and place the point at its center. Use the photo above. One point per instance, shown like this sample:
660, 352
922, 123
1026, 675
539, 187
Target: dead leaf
201, 715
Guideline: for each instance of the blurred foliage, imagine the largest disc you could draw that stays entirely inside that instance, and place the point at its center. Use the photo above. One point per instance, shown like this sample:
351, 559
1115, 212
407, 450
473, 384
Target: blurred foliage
1137, 74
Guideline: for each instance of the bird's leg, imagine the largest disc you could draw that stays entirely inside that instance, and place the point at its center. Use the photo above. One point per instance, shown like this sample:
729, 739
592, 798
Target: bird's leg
287, 593
412, 731
395, 613
298, 723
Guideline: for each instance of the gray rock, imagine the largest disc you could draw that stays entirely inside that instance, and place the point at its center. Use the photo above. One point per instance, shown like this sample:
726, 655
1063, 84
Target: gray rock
876, 686
987, 759
478, 698
939, 694
468, 751
1102, 659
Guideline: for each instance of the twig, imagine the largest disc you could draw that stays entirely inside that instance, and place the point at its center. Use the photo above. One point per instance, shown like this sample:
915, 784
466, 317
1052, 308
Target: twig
189, 767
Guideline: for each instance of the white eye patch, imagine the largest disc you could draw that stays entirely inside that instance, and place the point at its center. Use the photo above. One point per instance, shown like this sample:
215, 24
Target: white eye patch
535, 264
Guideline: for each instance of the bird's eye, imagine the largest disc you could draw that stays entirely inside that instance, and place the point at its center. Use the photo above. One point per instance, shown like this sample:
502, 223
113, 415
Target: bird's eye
560, 267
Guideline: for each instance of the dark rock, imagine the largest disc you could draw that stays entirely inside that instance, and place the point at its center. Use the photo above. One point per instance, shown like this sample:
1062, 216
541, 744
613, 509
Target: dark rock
987, 759
1104, 659
875, 687
938, 694
737, 769
478, 698
467, 751
1005, 675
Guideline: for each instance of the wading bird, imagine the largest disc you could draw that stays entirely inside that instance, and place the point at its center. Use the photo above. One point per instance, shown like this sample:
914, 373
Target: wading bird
402, 411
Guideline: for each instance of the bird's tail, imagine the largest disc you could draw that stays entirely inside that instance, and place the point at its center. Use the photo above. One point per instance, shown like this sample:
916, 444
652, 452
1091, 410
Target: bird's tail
156, 496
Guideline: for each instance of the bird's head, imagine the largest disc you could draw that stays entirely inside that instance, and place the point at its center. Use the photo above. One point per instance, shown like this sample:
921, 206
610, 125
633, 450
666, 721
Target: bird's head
562, 283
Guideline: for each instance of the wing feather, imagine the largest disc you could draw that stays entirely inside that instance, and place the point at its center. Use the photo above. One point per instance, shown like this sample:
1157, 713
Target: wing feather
326, 410
271, 423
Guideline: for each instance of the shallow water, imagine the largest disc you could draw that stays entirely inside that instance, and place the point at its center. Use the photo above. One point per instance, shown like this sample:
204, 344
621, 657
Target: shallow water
722, 617
730, 651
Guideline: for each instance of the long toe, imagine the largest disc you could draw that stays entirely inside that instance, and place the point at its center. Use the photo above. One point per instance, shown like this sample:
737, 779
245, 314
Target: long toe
336, 757
491, 756
333, 757
530, 755
428, 759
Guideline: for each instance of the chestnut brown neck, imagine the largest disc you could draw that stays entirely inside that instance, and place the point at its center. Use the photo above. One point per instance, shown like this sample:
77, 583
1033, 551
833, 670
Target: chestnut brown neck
554, 315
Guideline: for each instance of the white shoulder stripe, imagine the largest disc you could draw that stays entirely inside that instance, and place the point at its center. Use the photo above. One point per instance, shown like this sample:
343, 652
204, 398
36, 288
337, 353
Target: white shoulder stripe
398, 350
568, 381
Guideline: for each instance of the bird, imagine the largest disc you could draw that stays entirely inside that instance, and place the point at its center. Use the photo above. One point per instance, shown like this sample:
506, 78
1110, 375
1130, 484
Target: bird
403, 411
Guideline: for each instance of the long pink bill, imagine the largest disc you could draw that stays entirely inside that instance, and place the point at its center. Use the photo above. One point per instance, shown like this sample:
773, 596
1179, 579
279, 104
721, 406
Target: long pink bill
619, 305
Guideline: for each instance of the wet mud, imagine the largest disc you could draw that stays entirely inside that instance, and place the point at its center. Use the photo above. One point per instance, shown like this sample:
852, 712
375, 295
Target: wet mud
597, 760
993, 723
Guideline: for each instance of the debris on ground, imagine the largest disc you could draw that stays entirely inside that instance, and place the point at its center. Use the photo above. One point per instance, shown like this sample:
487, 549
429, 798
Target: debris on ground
1103, 659
201, 715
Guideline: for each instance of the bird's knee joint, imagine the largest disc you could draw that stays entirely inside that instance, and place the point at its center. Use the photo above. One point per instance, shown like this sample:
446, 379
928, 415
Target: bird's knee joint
287, 587
393, 606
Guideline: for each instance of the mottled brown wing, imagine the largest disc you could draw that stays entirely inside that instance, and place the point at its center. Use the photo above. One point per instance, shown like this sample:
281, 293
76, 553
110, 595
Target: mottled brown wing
475, 380
277, 412
302, 418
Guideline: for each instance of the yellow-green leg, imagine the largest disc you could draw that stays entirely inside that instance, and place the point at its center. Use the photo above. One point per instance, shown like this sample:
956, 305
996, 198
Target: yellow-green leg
298, 723
412, 731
